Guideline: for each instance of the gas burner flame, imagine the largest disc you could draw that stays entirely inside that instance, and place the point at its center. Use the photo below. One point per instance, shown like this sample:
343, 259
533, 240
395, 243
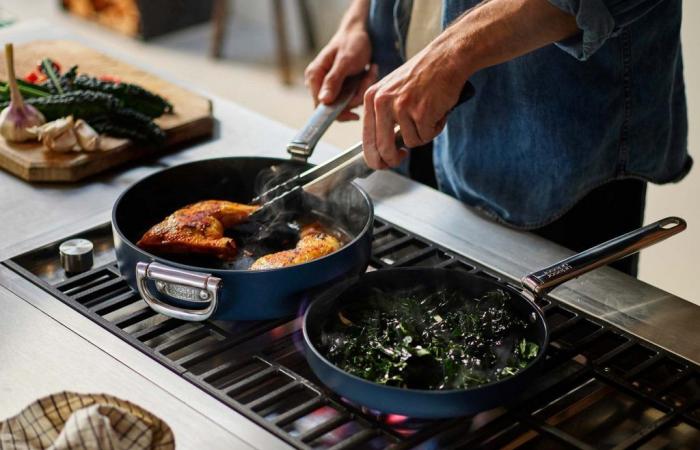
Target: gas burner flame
297, 336
395, 419
304, 303
403, 425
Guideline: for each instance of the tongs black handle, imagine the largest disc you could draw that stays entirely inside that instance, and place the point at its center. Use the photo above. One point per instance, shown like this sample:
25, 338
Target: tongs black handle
302, 145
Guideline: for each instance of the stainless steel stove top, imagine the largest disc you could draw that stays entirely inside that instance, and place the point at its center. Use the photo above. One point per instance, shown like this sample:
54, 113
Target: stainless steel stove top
601, 387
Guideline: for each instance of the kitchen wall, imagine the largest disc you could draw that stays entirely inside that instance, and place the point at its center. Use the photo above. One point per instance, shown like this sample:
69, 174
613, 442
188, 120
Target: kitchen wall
326, 15
674, 265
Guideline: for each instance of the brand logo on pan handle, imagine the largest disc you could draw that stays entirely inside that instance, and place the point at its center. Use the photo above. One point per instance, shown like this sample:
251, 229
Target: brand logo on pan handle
181, 292
555, 271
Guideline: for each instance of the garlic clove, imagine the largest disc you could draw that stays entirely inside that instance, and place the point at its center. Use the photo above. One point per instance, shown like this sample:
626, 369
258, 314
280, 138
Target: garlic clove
88, 138
55, 127
58, 136
34, 132
63, 142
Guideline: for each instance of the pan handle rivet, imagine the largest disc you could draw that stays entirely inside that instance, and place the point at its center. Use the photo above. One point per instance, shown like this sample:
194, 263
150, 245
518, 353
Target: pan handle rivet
204, 295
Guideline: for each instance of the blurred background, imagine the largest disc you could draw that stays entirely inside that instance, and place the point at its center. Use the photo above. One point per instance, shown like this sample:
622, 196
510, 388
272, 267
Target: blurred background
254, 53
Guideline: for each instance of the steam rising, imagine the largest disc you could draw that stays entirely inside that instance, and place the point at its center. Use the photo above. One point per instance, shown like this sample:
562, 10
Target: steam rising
277, 225
343, 213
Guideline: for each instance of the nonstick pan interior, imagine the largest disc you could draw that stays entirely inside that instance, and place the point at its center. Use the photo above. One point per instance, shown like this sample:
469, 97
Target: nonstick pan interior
418, 402
235, 179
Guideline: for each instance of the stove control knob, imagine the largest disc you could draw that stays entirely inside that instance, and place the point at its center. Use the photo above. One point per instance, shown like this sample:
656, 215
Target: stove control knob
76, 255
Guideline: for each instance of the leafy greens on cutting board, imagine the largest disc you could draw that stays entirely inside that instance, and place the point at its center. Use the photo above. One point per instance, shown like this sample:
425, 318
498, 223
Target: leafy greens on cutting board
118, 109
191, 119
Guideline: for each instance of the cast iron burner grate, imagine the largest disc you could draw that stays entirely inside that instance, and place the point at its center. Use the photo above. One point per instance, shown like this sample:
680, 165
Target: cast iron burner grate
600, 387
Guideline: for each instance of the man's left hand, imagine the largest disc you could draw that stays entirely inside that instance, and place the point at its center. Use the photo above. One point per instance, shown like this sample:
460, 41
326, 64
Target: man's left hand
418, 95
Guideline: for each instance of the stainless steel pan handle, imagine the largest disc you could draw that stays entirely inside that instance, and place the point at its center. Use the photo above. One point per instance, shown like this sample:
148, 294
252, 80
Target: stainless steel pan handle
542, 281
196, 288
303, 144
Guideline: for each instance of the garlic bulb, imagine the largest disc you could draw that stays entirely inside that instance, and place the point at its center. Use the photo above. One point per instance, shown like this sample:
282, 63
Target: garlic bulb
57, 136
88, 139
16, 119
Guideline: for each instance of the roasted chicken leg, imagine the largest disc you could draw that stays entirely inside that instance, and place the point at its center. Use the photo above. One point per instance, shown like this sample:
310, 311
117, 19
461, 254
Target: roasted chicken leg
198, 228
314, 242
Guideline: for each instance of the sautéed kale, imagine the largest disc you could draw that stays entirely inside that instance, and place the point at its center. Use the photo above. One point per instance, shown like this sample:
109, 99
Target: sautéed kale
439, 340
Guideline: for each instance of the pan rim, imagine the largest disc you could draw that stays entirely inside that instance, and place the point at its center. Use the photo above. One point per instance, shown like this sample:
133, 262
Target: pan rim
115, 226
538, 311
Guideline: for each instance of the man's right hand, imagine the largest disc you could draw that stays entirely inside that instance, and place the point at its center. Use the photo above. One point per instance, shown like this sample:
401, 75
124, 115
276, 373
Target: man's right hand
347, 53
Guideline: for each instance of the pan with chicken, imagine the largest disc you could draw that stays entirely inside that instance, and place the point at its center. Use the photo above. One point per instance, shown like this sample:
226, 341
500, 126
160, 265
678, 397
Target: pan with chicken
183, 238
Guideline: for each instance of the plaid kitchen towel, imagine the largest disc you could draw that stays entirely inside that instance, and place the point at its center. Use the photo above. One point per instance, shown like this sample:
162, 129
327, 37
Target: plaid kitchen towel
70, 421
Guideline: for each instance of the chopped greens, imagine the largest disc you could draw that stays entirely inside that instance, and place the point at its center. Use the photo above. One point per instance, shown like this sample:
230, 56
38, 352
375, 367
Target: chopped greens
438, 340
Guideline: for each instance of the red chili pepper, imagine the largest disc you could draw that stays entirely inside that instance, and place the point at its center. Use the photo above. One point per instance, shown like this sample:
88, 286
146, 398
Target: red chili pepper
35, 77
110, 79
31, 77
56, 67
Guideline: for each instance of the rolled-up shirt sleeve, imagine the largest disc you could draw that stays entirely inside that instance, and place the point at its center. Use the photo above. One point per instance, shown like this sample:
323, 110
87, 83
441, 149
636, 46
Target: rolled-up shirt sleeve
599, 20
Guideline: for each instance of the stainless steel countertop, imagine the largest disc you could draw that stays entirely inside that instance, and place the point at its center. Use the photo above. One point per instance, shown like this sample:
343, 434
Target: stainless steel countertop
51, 347
41, 356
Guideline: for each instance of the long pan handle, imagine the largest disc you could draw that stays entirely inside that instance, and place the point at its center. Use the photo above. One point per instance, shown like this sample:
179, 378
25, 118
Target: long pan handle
302, 145
542, 281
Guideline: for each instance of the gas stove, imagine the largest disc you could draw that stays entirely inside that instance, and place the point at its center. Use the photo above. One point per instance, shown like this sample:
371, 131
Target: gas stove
601, 387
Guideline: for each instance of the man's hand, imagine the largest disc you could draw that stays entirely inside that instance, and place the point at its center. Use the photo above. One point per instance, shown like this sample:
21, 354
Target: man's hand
417, 96
348, 53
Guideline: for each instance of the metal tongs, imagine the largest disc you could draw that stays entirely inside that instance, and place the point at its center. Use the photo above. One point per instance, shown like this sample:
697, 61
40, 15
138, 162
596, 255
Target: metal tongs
321, 180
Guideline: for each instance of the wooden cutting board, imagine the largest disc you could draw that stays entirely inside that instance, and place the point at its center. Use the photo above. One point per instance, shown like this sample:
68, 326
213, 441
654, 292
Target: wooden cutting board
192, 117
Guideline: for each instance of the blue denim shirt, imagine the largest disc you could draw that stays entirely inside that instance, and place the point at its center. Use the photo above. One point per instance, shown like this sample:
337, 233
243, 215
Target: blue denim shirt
546, 128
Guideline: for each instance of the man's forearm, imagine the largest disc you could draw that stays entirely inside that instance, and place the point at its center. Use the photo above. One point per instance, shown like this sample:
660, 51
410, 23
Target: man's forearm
356, 14
499, 30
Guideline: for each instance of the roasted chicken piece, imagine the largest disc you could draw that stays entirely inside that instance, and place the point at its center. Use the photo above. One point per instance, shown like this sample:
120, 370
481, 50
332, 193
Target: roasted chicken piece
198, 228
314, 242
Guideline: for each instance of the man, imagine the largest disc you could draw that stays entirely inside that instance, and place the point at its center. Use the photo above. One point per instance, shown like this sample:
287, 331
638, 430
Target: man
560, 139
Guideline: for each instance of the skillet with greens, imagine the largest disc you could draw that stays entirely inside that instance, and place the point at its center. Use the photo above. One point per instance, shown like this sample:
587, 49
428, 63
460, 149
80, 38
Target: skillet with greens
438, 340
